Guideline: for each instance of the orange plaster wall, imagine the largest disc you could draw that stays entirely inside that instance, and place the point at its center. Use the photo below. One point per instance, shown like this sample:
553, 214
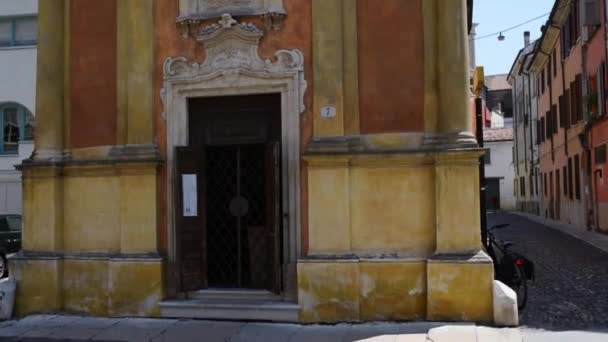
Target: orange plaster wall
391, 65
93, 73
295, 34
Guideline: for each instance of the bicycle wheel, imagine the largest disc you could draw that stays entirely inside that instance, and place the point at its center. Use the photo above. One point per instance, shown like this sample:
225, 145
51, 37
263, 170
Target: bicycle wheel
520, 287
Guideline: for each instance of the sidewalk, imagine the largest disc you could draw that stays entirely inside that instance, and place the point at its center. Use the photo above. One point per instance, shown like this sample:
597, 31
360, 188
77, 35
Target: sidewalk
591, 237
46, 328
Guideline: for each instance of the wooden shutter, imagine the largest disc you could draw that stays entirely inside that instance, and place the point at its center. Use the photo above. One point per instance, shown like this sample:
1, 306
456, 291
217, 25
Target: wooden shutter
579, 98
567, 106
273, 210
190, 222
601, 89
573, 101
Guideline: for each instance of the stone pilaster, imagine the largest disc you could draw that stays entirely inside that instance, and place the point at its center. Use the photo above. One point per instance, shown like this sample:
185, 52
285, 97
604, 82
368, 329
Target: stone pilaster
135, 72
446, 24
335, 67
51, 77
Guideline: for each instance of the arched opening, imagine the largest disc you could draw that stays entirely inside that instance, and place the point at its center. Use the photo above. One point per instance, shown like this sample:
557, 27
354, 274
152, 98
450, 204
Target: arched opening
17, 124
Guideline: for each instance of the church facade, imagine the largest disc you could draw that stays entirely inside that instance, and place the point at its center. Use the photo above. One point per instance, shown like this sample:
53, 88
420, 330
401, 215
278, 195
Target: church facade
282, 160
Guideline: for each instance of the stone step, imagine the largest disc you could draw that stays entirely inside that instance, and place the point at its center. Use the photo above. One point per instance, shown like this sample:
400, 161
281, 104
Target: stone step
235, 294
246, 310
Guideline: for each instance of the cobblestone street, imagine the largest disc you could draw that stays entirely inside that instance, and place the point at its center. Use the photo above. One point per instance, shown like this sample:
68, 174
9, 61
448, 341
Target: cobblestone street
571, 286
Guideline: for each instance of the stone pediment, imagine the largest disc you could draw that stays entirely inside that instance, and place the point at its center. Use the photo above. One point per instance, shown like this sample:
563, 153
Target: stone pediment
193, 11
232, 57
233, 47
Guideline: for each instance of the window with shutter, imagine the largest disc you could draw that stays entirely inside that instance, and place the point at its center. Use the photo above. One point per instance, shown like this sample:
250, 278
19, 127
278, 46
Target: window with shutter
579, 98
567, 101
542, 129
600, 154
570, 192
577, 177
562, 110
601, 89
554, 122
565, 179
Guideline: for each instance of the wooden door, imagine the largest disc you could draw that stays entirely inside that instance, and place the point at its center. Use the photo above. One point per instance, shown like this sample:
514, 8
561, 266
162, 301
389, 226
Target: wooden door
273, 210
190, 218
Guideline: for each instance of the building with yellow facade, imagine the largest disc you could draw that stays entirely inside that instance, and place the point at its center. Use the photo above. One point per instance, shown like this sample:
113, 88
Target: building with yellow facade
287, 160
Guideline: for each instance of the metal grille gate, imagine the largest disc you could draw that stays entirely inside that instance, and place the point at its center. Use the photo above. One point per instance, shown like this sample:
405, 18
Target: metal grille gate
238, 239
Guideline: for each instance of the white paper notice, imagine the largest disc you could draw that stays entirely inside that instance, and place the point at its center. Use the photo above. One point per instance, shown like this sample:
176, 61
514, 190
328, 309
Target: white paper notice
190, 198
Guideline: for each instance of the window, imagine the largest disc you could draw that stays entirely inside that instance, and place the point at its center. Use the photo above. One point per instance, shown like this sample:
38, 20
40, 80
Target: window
557, 182
487, 156
17, 125
600, 154
542, 129
565, 180
536, 182
18, 31
542, 81
549, 124
545, 183
570, 188
531, 181
554, 63
522, 186
554, 123
579, 97
570, 30
577, 177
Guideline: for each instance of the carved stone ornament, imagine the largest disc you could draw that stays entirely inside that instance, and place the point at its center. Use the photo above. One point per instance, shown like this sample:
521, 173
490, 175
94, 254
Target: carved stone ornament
232, 51
194, 11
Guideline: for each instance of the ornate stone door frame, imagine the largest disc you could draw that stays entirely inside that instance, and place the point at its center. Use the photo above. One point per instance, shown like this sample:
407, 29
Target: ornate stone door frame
233, 67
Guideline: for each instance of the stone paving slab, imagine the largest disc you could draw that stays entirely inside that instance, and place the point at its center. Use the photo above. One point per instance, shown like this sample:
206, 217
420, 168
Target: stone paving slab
54, 328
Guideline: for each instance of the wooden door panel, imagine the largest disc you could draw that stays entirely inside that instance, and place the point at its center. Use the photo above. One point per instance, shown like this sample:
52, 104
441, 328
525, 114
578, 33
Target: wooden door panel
190, 230
273, 211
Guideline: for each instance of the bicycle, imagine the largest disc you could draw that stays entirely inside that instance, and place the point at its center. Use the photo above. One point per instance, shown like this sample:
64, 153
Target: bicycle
511, 268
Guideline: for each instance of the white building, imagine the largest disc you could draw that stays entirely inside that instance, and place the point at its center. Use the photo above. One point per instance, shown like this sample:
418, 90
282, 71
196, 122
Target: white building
18, 38
525, 109
498, 143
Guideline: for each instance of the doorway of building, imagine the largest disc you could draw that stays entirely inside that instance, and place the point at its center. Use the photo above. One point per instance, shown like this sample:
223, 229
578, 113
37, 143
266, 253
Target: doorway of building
492, 193
228, 223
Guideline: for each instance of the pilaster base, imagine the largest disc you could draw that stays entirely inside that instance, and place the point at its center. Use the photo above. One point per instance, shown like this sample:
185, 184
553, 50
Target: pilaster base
354, 290
100, 285
459, 288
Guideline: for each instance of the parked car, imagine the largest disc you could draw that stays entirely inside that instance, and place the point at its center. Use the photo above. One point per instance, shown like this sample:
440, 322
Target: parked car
10, 239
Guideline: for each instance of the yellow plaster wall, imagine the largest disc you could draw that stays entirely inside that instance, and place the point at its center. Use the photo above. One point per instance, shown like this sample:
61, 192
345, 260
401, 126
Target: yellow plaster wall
136, 288
460, 291
38, 285
457, 191
353, 290
104, 209
393, 291
328, 212
103, 287
328, 291
85, 286
92, 214
138, 212
42, 210
392, 209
